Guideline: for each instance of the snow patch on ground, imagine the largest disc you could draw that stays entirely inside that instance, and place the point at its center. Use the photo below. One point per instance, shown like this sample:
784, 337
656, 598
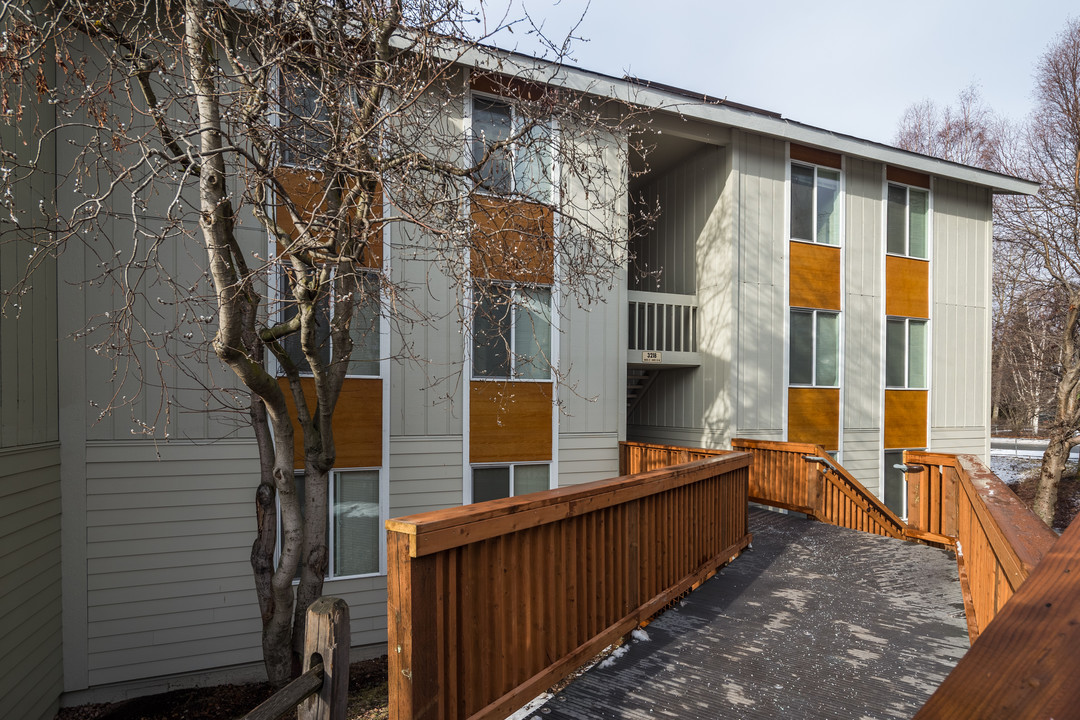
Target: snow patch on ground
1012, 469
640, 635
615, 655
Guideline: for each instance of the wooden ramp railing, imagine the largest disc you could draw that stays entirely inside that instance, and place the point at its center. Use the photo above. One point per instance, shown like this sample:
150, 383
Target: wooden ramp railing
1023, 666
802, 477
492, 603
639, 457
998, 540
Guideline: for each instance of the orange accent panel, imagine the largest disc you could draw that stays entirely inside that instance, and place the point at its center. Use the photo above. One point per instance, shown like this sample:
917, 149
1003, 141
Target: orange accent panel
513, 240
509, 421
907, 177
814, 416
305, 189
815, 276
905, 418
357, 421
907, 287
815, 156
495, 84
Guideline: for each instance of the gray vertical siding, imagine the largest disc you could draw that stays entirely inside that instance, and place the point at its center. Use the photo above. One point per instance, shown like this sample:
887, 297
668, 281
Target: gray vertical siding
31, 665
863, 307
31, 668
960, 319
760, 169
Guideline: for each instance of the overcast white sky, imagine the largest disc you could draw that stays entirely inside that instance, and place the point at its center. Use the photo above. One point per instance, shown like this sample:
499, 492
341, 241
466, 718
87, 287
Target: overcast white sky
851, 66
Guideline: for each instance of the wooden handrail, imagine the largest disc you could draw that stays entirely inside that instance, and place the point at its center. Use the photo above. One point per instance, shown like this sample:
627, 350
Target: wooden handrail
998, 540
1022, 666
639, 457
490, 604
802, 477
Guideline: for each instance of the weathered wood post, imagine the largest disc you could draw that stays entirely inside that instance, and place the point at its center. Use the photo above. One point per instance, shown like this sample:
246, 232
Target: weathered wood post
327, 639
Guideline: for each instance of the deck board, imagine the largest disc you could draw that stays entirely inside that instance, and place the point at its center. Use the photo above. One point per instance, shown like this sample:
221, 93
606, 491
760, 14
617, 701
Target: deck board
815, 622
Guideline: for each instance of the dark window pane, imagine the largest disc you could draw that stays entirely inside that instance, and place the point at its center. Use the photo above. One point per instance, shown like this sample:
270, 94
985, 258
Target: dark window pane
491, 124
322, 327
895, 354
896, 221
895, 485
365, 329
802, 348
491, 483
802, 203
491, 330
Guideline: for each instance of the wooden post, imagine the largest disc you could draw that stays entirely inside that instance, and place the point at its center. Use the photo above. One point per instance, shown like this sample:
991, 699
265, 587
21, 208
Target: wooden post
327, 638
413, 633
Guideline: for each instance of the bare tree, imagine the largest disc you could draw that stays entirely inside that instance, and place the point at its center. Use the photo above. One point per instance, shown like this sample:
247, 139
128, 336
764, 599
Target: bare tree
966, 132
323, 124
1047, 226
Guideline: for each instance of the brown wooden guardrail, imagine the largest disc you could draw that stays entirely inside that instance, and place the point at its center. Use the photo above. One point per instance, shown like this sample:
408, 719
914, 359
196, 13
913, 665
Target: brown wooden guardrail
1023, 665
999, 541
492, 603
639, 457
802, 477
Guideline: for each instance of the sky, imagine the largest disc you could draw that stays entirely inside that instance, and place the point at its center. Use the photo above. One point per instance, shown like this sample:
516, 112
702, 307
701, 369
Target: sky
847, 66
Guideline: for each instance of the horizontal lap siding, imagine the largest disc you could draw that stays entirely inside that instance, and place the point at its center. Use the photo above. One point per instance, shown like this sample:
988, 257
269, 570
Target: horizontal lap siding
169, 586
30, 613
584, 458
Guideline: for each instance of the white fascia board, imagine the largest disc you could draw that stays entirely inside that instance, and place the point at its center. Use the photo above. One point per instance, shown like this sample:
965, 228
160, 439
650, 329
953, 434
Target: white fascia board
584, 81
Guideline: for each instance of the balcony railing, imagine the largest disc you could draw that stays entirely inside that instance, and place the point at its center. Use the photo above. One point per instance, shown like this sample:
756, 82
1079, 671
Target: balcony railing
663, 329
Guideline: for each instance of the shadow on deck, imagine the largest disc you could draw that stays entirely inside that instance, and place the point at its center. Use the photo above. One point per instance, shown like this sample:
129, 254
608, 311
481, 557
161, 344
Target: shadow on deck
816, 621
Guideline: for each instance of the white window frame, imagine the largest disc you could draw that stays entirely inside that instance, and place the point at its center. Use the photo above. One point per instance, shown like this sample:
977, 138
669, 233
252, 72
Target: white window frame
515, 306
814, 312
907, 219
907, 353
512, 466
298, 476
280, 292
838, 210
516, 125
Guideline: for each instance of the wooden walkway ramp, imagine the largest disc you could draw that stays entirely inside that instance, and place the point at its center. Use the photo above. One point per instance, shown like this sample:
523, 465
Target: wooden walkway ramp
815, 621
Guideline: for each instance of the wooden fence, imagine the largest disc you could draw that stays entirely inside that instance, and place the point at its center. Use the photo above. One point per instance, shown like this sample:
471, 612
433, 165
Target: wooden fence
638, 457
492, 603
322, 691
998, 540
1023, 666
802, 477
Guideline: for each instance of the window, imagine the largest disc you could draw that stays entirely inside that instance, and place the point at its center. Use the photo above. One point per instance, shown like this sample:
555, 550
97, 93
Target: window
364, 329
522, 168
491, 482
905, 353
895, 485
354, 522
511, 331
907, 221
815, 348
815, 204
304, 122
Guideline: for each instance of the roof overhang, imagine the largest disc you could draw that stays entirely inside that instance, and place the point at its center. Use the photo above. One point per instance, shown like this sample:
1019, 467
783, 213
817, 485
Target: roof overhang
720, 112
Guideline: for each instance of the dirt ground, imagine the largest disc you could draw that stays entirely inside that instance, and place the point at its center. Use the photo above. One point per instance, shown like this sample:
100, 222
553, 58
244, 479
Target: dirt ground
367, 700
1022, 474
